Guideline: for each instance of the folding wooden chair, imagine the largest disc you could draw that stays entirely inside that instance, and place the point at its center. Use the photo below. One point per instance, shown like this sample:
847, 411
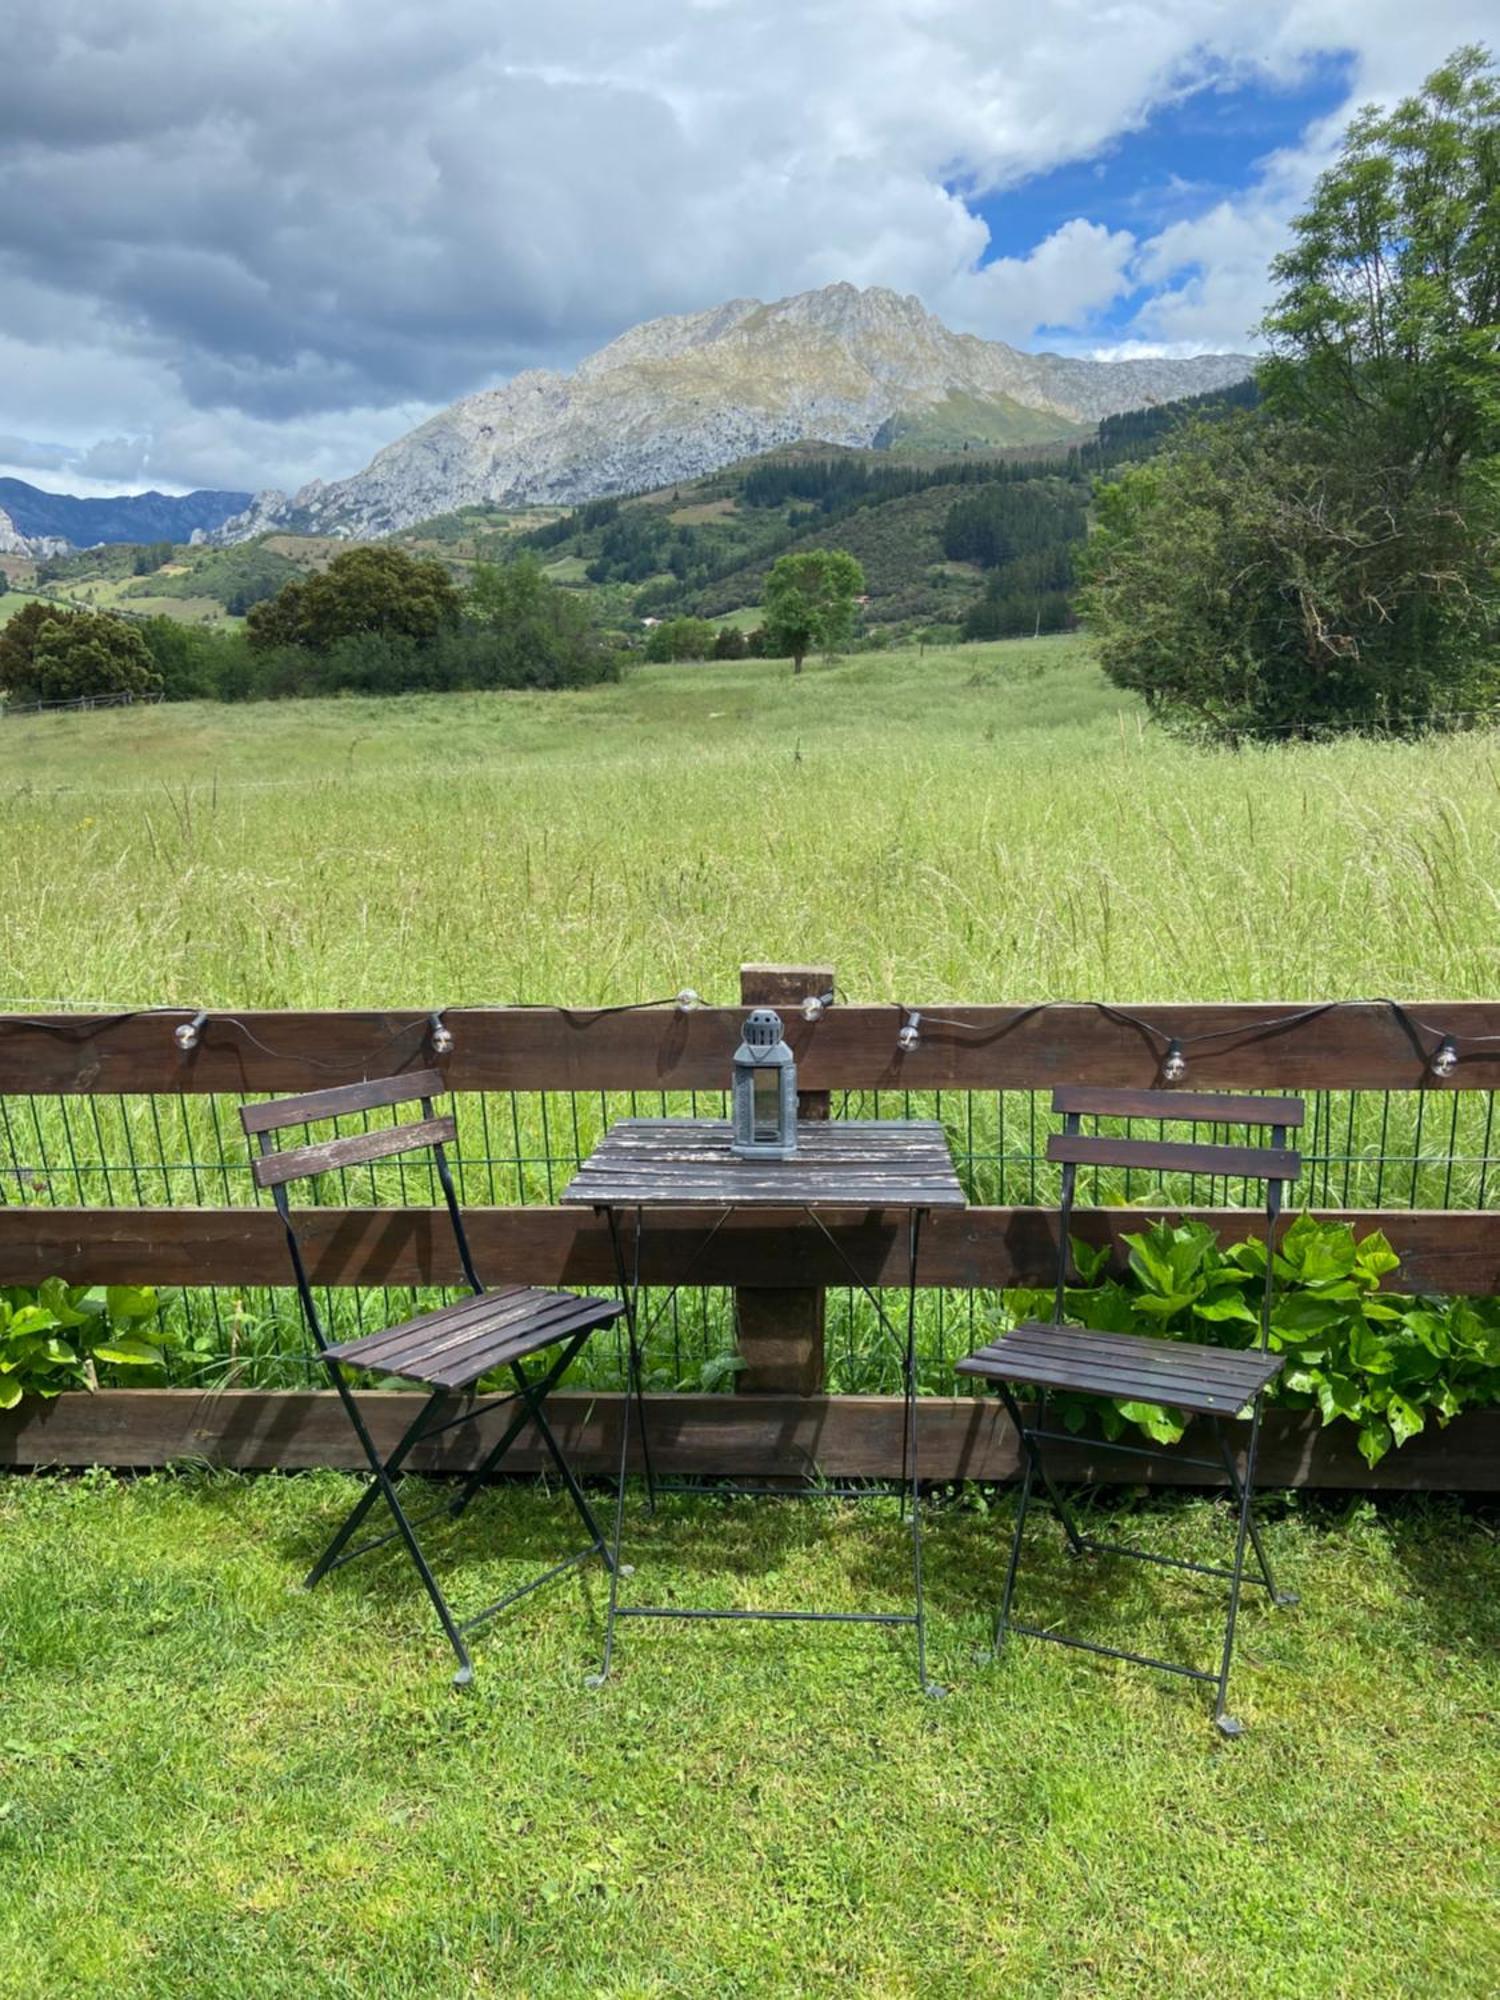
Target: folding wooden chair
447, 1349
1212, 1382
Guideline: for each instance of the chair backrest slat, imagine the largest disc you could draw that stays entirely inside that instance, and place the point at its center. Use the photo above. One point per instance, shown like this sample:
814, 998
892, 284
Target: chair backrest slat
299, 1162
340, 1100
1262, 1163
1186, 1107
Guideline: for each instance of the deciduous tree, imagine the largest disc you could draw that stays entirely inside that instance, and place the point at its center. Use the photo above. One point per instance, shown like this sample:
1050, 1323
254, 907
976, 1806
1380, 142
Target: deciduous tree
810, 601
1332, 562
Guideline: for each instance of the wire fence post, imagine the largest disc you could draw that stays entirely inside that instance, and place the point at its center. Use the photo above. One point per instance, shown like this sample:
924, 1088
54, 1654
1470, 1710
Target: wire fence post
780, 1328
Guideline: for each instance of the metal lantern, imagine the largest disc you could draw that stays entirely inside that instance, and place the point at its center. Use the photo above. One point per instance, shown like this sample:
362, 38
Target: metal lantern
764, 1091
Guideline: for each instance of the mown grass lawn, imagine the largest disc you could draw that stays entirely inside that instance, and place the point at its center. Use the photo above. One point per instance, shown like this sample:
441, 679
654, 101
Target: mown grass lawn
213, 1784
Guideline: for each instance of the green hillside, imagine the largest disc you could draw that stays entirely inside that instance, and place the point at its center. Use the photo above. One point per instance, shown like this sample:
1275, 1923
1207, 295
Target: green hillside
958, 523
959, 422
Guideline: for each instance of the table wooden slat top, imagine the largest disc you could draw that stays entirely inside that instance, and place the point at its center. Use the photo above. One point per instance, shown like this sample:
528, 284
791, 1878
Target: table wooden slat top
839, 1163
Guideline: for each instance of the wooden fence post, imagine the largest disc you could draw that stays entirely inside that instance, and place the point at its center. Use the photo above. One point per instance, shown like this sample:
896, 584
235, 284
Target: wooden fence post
780, 1328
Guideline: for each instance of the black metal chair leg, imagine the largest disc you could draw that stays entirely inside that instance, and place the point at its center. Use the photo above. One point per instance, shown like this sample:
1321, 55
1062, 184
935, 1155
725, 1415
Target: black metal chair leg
1224, 1722
598, 1680
372, 1492
1036, 1459
1283, 1598
565, 1471
537, 1390
387, 1488
913, 1488
1023, 1503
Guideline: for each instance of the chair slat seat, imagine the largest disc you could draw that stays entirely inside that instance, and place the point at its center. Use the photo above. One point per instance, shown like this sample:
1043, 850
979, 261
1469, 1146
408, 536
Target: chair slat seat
452, 1346
1209, 1381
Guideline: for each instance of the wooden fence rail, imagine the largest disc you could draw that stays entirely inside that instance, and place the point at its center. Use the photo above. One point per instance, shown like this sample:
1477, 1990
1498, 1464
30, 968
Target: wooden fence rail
973, 1250
1362, 1046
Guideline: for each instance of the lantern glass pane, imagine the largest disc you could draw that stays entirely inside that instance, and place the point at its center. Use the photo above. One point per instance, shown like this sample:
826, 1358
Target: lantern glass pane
767, 1103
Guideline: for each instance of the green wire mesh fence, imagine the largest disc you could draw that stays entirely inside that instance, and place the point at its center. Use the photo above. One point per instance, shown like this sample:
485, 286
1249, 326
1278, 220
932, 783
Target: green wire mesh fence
1361, 1150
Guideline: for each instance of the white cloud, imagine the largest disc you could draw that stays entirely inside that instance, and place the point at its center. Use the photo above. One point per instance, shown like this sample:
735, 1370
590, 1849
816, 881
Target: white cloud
1077, 271
254, 243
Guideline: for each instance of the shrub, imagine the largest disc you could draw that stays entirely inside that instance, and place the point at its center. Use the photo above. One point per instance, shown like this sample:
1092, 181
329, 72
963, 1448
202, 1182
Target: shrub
374, 591
682, 639
51, 654
1381, 1360
54, 1337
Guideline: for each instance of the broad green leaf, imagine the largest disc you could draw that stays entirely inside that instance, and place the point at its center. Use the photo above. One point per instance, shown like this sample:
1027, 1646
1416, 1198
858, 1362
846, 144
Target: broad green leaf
1374, 1440
10, 1392
1375, 1254
1225, 1306
1089, 1260
31, 1319
129, 1351
59, 1300
1300, 1312
1158, 1424
1337, 1397
1404, 1419
1163, 1305
130, 1301
1368, 1351
720, 1368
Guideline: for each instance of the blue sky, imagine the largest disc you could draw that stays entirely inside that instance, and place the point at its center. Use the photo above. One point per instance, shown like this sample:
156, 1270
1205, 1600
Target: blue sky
1190, 152
1208, 146
246, 246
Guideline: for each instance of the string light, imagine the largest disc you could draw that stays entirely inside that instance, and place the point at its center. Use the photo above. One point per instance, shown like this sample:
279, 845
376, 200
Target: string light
1440, 1053
188, 1034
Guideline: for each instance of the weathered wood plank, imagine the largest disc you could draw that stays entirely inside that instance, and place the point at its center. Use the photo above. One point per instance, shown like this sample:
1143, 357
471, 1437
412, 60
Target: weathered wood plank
309, 1106
1357, 1046
1175, 1156
747, 1437
1189, 1107
975, 1248
298, 1163
671, 1162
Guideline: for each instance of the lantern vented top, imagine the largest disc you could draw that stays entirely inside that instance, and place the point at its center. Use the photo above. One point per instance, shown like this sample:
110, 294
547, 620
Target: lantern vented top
762, 1028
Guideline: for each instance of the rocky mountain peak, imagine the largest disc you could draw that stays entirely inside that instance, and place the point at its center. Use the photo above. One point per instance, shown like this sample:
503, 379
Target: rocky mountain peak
678, 397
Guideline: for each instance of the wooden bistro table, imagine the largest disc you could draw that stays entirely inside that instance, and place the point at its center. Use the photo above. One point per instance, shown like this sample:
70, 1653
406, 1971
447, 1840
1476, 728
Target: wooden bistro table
646, 1165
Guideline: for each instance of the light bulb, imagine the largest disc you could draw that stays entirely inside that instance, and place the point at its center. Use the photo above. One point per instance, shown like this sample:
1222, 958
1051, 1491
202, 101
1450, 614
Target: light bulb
441, 1036
187, 1034
1174, 1064
908, 1040
1444, 1058
687, 1000
813, 1007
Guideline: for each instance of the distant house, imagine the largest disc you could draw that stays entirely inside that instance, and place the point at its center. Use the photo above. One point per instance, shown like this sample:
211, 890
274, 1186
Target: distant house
649, 622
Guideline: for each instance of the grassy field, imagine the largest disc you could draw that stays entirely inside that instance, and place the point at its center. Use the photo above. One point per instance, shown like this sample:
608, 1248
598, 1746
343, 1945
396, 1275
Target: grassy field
990, 823
213, 1784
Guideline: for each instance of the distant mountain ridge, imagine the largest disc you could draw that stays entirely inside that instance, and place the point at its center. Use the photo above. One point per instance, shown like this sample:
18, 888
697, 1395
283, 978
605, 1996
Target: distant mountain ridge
676, 398
34, 523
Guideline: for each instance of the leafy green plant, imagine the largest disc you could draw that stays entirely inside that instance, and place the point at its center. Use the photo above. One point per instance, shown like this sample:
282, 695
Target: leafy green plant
53, 1337
1384, 1361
